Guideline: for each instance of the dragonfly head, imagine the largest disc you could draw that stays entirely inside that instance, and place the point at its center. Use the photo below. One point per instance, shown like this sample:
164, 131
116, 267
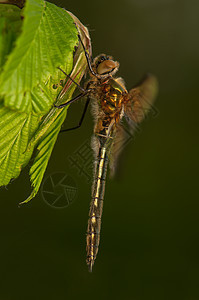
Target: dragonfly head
105, 66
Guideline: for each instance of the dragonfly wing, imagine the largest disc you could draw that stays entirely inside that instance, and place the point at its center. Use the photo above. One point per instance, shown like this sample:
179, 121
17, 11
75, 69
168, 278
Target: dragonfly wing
121, 138
140, 100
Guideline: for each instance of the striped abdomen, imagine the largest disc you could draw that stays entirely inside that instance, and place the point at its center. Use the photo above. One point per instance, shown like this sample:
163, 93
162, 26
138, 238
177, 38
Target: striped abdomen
96, 207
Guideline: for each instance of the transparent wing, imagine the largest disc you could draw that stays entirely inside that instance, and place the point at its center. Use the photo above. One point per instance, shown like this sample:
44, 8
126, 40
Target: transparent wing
140, 100
121, 139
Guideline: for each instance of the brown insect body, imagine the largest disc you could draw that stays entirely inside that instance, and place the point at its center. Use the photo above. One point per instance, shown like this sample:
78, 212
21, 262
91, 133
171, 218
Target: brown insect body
110, 103
109, 95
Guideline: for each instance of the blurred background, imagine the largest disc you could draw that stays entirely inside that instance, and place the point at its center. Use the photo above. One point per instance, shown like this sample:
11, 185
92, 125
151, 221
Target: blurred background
149, 245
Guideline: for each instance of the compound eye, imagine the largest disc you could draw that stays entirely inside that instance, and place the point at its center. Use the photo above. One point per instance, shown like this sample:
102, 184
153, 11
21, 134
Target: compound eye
106, 66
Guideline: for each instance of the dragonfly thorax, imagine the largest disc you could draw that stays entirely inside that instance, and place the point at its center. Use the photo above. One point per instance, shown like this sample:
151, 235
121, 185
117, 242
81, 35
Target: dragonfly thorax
112, 96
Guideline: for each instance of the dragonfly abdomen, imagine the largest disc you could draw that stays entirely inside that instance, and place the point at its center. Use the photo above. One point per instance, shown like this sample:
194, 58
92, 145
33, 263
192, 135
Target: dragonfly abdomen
96, 207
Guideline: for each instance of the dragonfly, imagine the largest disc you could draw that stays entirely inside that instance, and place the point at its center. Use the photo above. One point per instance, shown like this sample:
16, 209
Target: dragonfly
111, 104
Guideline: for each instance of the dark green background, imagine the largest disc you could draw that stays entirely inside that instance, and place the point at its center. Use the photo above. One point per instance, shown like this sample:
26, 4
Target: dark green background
149, 244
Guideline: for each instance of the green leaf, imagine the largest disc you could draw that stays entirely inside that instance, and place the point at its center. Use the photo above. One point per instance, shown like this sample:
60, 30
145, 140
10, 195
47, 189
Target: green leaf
44, 148
10, 25
46, 135
15, 131
30, 83
47, 41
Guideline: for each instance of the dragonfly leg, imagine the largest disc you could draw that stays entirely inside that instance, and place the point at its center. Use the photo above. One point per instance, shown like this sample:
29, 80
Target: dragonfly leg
82, 117
71, 101
88, 59
79, 86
